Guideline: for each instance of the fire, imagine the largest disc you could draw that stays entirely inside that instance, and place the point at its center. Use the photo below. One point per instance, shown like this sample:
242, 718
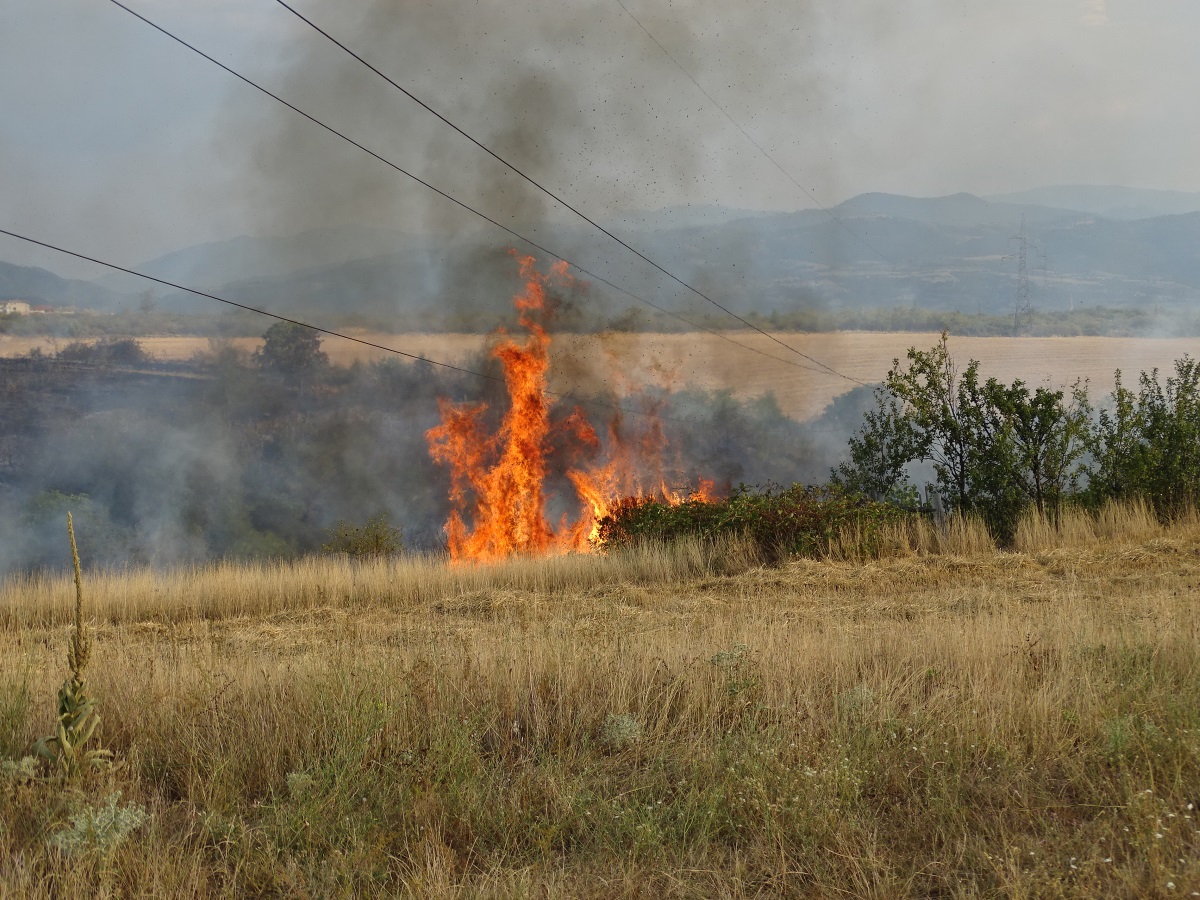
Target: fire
499, 480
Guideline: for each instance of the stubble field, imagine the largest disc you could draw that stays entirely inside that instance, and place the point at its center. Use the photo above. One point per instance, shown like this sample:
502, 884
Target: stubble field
947, 721
622, 361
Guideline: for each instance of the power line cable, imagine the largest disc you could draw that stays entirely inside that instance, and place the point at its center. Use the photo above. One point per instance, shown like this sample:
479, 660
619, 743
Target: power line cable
734, 122
551, 194
474, 211
242, 306
327, 331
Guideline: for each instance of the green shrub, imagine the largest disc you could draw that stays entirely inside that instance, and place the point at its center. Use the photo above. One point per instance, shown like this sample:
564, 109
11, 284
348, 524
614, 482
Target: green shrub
110, 352
377, 538
780, 522
1147, 444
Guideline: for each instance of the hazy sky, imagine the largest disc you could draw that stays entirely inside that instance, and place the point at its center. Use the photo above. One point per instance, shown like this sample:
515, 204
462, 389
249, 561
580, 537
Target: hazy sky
116, 141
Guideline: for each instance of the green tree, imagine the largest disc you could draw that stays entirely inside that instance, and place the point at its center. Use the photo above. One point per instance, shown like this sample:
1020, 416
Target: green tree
996, 449
1049, 439
1148, 444
110, 351
292, 350
882, 449
949, 411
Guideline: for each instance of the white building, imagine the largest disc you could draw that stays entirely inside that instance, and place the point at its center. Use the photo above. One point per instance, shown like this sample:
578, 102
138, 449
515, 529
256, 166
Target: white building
17, 307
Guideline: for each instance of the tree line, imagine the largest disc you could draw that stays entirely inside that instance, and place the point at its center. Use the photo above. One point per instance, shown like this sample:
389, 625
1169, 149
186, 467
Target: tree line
282, 453
998, 450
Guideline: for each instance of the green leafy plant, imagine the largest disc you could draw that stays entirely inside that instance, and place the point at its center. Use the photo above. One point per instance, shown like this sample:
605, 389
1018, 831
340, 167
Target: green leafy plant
99, 829
1147, 444
66, 749
779, 522
882, 449
996, 449
291, 350
737, 665
107, 352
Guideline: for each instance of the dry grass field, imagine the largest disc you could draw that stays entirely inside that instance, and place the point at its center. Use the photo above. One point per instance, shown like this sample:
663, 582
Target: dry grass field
945, 721
621, 360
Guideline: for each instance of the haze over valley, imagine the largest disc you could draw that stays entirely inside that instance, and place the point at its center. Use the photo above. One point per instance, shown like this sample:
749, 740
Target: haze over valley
1117, 248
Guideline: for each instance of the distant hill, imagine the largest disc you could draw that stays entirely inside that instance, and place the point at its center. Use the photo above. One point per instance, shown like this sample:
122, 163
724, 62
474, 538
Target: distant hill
953, 211
953, 253
874, 250
242, 258
40, 286
948, 253
415, 287
1112, 202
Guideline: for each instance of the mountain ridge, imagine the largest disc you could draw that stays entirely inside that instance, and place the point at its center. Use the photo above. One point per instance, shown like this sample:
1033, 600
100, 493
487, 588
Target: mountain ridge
874, 249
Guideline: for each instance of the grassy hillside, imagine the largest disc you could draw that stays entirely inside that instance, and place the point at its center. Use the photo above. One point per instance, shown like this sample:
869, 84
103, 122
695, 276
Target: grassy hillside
944, 721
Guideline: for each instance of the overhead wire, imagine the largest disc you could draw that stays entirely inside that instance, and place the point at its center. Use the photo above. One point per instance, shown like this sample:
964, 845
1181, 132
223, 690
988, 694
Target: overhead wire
578, 401
734, 122
551, 194
472, 210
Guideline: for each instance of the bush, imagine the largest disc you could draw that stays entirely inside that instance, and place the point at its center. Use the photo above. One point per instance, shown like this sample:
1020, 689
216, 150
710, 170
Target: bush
377, 538
1147, 445
99, 829
291, 350
794, 521
119, 352
995, 449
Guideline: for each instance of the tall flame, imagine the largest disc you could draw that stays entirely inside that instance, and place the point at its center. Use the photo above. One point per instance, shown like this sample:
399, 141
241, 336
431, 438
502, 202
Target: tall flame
499, 479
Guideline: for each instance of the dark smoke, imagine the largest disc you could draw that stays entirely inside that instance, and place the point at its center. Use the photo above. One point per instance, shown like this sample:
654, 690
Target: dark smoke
222, 459
575, 95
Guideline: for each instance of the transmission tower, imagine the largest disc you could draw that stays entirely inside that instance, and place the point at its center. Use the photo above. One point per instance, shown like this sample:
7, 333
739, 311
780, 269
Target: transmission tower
1023, 311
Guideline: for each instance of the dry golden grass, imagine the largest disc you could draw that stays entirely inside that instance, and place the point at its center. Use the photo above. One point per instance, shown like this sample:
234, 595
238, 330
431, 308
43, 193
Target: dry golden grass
621, 361
945, 721
231, 590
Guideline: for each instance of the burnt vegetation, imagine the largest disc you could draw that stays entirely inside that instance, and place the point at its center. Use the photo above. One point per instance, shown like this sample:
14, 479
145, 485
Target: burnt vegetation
239, 456
281, 454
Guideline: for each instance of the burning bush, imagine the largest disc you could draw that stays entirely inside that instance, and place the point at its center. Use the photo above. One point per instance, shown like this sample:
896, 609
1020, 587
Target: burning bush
779, 522
500, 475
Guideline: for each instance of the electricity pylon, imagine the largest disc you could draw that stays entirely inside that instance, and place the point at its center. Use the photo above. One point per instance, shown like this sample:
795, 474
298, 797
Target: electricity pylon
1023, 309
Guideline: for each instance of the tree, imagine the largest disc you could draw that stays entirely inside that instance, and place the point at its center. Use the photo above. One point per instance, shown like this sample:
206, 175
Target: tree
948, 411
1049, 438
996, 449
1148, 444
291, 350
110, 352
882, 449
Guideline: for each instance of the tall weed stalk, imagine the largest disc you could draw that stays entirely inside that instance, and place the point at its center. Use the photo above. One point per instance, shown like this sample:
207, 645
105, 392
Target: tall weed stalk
66, 749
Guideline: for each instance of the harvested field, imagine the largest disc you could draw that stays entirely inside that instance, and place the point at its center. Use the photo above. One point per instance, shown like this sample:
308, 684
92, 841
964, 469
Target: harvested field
959, 724
622, 360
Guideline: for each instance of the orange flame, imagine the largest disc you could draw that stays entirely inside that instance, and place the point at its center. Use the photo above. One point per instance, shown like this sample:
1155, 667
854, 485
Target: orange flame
499, 479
